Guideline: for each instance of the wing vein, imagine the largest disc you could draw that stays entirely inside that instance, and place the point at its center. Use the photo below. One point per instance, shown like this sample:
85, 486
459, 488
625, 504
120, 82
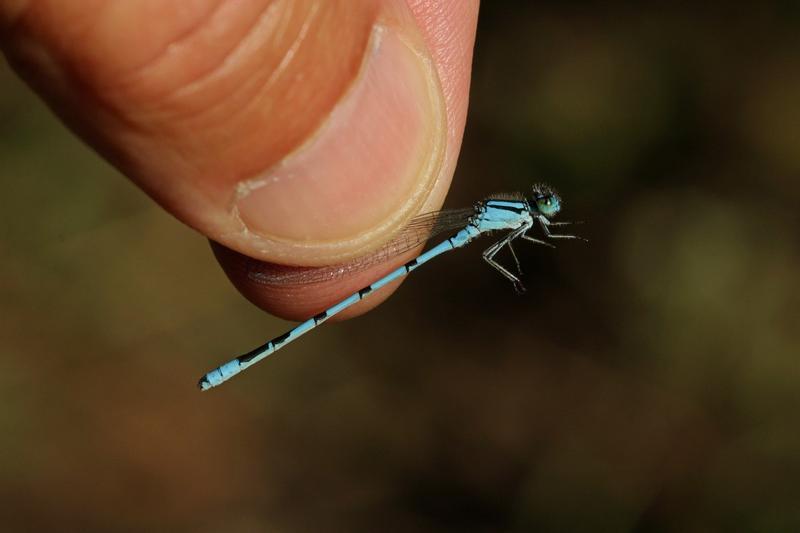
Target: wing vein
418, 230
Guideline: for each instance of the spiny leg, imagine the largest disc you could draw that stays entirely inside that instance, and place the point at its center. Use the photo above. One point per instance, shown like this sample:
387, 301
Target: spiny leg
545, 227
514, 255
537, 241
490, 252
488, 255
564, 223
512, 236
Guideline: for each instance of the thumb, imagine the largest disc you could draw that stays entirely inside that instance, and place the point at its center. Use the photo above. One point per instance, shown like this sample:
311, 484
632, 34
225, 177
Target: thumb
293, 131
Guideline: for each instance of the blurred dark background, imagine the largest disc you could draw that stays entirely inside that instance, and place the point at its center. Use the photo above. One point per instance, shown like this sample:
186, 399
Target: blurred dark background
646, 382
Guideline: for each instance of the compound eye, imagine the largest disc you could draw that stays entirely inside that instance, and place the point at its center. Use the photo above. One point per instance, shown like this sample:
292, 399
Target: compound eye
548, 205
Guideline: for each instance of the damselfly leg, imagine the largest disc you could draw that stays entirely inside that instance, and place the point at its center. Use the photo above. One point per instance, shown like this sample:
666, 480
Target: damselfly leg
490, 252
514, 255
545, 224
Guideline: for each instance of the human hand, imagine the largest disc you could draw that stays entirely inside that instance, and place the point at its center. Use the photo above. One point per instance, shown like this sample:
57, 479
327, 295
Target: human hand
299, 132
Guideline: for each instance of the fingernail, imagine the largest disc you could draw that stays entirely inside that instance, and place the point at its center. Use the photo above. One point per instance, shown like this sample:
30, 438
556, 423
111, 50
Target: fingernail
368, 167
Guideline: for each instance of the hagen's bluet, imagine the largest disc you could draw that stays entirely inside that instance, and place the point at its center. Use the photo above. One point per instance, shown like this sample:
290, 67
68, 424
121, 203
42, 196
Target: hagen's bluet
512, 212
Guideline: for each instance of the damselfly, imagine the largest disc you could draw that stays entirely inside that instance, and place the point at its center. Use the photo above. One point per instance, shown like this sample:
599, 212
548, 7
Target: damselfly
512, 212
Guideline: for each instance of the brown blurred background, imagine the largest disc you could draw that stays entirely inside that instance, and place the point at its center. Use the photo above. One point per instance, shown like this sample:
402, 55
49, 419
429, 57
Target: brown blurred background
646, 382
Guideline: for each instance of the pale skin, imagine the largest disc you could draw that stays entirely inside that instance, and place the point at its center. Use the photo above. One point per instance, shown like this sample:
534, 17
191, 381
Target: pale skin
299, 132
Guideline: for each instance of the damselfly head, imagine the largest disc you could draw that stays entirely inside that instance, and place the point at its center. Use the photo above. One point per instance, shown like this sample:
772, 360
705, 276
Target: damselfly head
547, 201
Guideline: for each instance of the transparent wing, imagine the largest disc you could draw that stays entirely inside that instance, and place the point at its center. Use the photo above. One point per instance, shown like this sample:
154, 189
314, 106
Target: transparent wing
420, 229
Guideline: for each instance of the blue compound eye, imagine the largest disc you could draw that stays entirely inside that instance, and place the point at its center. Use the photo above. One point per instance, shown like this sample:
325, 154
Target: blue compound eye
548, 205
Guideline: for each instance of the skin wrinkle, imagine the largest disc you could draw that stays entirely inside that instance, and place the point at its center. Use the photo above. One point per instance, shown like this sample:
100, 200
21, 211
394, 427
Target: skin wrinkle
137, 123
247, 186
82, 62
229, 59
431, 168
292, 50
167, 111
442, 36
142, 70
260, 92
255, 85
258, 87
177, 194
66, 74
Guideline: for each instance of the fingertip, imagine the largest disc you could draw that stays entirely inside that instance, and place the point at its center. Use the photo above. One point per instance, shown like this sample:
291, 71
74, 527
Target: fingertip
260, 282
